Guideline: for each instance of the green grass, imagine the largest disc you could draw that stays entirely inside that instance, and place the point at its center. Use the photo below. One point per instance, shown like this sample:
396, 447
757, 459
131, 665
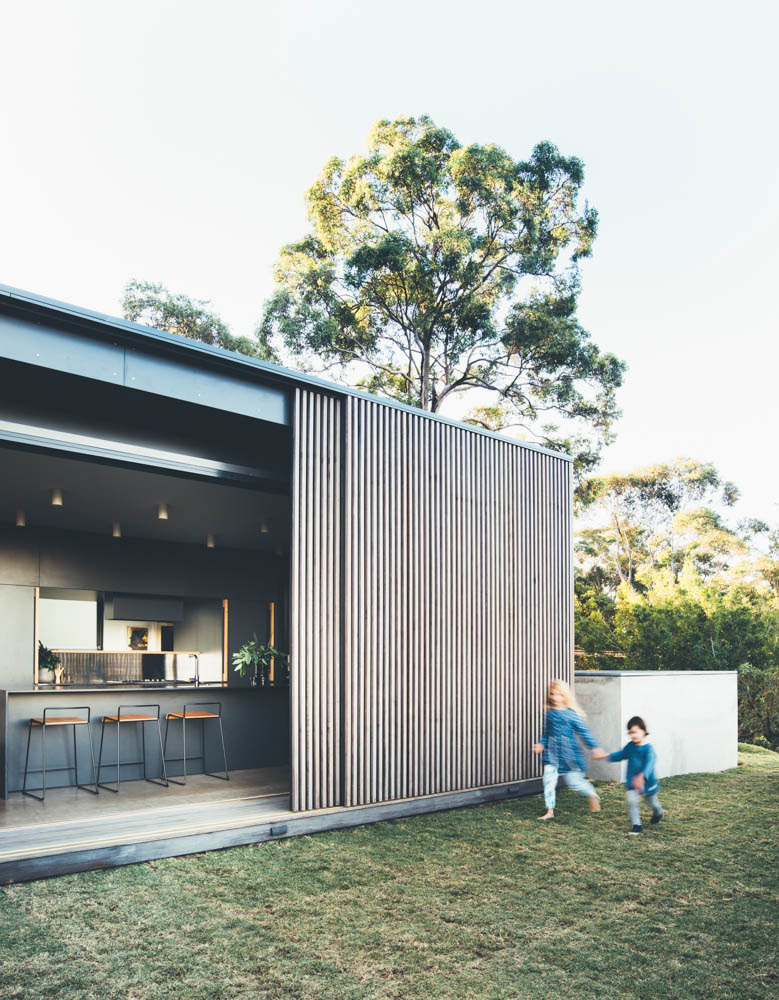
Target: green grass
475, 903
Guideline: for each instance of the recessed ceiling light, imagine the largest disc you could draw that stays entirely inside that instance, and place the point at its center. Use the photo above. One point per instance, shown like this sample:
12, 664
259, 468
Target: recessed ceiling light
56, 498
21, 520
162, 512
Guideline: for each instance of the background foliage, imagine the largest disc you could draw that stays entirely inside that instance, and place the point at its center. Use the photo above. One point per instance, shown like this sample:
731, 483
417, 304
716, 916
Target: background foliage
663, 582
153, 305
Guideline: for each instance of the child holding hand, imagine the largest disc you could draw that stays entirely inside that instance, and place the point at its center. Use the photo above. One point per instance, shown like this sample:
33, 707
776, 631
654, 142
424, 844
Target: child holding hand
562, 754
640, 778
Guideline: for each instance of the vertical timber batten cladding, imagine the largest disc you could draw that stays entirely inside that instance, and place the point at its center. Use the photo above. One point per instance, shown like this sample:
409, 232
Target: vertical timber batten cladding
315, 602
432, 602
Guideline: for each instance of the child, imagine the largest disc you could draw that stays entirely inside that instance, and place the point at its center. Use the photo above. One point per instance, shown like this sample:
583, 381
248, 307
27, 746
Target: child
562, 754
640, 778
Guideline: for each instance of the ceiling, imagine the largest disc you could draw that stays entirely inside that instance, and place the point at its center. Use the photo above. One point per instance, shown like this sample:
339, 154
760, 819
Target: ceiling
95, 495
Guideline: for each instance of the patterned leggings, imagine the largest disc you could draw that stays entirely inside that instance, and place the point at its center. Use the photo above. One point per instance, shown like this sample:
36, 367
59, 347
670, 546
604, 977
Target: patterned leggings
574, 780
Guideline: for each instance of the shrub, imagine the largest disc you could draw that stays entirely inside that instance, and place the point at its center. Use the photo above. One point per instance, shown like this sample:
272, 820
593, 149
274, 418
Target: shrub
758, 705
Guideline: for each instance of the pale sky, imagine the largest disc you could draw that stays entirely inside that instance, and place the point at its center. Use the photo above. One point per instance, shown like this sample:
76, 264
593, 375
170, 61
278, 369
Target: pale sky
173, 141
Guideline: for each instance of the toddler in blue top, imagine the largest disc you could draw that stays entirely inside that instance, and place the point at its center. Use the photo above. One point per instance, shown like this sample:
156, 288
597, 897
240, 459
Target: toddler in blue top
640, 778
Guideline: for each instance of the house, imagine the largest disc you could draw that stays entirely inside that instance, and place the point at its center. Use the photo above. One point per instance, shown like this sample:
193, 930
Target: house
163, 501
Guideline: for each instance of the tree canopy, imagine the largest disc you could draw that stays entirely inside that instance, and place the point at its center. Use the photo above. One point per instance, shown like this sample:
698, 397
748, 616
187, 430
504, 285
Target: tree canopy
657, 516
665, 582
433, 268
153, 305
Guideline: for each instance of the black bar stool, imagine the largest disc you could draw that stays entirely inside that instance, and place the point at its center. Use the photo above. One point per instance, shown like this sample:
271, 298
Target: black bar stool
185, 717
122, 716
59, 720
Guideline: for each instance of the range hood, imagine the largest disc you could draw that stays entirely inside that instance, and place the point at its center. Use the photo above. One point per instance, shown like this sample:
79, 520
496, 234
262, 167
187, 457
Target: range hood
131, 607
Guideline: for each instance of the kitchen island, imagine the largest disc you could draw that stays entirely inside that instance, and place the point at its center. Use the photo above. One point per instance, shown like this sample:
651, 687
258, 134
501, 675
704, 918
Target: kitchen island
255, 721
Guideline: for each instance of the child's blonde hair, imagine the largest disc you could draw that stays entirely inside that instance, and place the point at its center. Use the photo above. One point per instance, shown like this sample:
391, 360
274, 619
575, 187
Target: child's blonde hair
568, 696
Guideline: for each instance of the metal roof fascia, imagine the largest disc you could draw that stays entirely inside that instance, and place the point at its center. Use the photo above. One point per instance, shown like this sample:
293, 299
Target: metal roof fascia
275, 372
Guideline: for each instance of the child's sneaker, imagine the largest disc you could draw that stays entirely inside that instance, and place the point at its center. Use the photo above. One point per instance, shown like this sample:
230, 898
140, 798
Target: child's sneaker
656, 817
636, 830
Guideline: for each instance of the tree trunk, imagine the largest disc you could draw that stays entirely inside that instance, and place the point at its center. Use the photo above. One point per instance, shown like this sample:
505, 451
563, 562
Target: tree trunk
424, 401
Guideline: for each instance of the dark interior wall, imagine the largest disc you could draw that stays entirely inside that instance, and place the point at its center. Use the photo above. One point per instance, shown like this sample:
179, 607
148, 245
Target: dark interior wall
201, 628
31, 557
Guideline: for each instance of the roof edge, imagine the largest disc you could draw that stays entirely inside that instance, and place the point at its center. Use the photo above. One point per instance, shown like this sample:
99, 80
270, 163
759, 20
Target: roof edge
278, 372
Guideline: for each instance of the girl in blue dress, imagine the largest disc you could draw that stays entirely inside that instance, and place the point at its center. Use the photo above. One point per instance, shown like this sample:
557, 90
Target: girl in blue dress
640, 778
559, 745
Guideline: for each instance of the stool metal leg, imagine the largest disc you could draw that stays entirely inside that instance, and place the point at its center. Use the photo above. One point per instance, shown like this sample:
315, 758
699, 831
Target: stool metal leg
100, 764
92, 758
94, 790
26, 763
27, 756
224, 752
171, 779
226, 775
43, 735
162, 752
161, 779
100, 752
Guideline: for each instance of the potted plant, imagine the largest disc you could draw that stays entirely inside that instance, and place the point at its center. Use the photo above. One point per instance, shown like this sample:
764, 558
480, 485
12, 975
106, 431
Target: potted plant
48, 662
253, 659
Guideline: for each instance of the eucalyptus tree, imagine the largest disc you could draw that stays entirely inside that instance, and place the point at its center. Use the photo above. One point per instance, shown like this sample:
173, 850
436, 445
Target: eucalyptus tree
153, 305
433, 269
656, 516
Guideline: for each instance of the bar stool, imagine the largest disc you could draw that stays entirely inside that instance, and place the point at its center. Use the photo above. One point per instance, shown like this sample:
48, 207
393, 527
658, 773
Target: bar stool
122, 716
187, 715
59, 720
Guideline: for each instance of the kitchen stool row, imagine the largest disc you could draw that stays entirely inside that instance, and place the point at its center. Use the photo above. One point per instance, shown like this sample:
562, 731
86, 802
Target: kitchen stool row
200, 711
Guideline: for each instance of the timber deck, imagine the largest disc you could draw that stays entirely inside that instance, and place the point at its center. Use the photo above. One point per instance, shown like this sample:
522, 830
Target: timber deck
75, 831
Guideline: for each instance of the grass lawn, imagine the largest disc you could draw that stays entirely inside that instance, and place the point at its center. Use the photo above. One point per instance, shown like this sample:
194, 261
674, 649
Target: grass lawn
475, 903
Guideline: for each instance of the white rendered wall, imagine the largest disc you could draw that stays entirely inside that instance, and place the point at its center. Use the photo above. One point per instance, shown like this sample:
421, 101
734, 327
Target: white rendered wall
67, 624
692, 717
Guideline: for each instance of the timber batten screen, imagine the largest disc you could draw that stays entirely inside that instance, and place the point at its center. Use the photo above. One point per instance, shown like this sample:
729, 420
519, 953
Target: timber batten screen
315, 590
431, 603
457, 603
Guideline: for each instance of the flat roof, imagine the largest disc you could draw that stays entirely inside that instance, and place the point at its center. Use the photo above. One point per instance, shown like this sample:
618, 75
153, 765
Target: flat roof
105, 325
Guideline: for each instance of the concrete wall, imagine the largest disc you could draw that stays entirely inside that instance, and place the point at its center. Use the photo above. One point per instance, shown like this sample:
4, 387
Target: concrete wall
692, 717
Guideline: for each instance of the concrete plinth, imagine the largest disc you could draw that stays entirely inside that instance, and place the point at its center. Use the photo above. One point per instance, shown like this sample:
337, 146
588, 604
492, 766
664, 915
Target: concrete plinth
692, 716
